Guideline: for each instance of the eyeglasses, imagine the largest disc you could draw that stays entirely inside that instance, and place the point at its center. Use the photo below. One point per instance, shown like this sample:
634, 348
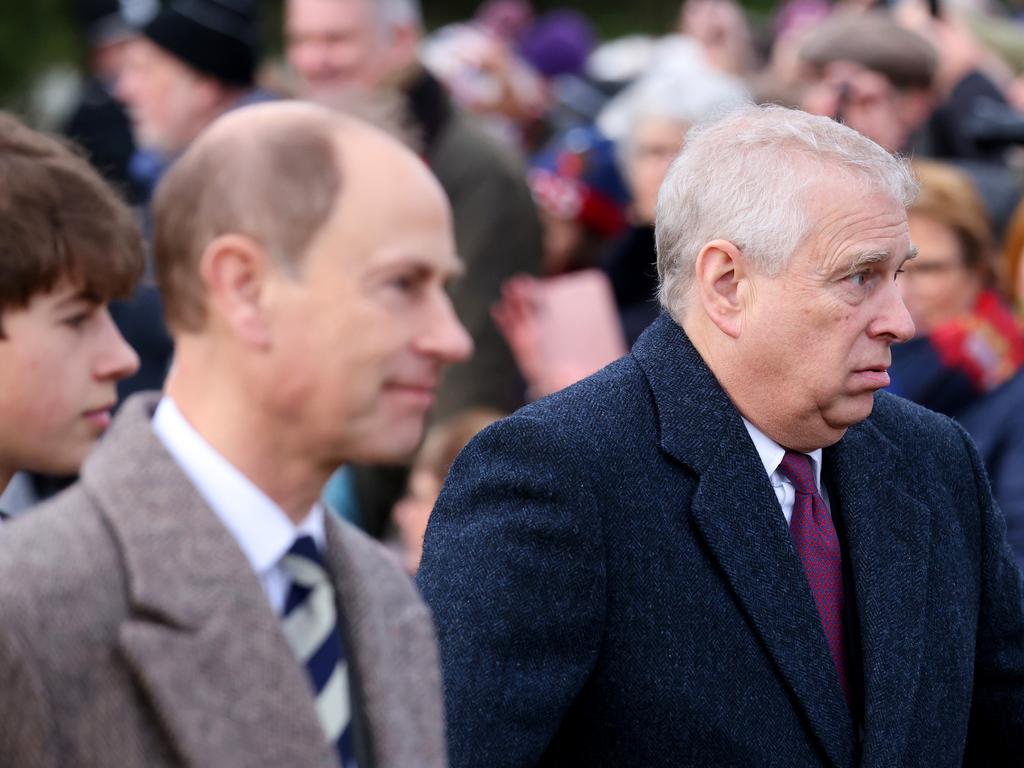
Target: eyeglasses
930, 269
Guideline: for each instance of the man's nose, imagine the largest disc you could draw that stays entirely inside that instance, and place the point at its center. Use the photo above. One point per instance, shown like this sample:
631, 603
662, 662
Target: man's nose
894, 319
446, 338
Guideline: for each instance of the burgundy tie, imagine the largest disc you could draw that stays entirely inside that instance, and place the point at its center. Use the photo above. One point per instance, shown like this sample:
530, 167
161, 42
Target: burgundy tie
818, 546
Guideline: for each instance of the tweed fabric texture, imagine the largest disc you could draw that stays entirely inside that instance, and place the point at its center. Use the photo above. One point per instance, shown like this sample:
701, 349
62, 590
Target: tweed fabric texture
614, 585
135, 633
817, 544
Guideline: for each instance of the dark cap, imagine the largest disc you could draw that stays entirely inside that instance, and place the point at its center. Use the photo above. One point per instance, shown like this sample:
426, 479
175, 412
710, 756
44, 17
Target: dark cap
219, 38
876, 42
104, 21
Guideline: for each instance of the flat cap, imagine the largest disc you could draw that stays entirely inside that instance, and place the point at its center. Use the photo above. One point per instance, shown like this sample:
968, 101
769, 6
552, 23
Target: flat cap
876, 42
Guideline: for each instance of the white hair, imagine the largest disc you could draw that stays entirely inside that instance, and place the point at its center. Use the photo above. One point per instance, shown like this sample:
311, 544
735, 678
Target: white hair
678, 86
684, 101
745, 177
398, 13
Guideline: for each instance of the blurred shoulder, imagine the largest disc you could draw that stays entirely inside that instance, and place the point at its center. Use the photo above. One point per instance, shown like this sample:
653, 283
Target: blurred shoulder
464, 150
60, 559
606, 411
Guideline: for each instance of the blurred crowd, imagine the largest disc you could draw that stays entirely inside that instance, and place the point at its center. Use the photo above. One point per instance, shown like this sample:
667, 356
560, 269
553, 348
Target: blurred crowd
551, 144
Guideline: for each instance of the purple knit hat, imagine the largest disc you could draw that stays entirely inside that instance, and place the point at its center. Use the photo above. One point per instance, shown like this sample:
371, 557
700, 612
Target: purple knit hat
559, 43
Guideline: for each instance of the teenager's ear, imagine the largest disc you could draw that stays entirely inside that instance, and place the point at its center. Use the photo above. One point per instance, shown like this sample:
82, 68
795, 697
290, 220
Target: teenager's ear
235, 270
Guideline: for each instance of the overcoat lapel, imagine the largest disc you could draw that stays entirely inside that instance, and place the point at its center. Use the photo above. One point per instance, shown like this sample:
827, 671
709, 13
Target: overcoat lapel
888, 533
380, 630
737, 514
201, 639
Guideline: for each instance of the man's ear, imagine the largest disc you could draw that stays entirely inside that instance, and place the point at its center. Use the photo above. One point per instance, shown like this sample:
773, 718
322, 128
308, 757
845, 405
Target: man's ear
235, 270
721, 272
403, 46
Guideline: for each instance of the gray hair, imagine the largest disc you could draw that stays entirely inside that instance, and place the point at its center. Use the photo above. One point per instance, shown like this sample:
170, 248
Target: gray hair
686, 101
745, 176
398, 13
677, 85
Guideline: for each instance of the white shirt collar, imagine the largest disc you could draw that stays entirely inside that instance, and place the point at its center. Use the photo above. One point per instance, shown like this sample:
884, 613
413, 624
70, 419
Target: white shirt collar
772, 453
261, 528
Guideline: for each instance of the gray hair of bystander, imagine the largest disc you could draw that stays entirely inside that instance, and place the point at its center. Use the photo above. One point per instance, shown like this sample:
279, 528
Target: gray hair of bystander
398, 13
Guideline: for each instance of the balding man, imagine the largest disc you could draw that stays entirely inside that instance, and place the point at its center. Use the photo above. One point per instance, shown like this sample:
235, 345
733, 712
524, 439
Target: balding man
188, 602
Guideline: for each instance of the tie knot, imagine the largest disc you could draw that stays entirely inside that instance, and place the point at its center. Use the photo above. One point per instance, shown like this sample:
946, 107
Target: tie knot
798, 468
303, 562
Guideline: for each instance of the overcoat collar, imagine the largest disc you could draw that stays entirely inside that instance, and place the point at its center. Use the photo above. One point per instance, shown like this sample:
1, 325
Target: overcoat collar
201, 638
734, 511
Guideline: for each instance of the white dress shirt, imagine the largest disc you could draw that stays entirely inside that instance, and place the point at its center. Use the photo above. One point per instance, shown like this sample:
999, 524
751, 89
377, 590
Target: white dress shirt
260, 527
771, 454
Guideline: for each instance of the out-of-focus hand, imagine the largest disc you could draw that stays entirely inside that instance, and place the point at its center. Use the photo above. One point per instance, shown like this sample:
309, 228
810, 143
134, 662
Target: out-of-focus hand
959, 51
518, 316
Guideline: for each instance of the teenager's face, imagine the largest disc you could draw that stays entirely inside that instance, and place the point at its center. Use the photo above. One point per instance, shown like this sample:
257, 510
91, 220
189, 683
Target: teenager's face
60, 358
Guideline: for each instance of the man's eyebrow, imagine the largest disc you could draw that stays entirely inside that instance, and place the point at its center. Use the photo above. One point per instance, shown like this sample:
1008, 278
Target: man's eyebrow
866, 258
911, 254
449, 269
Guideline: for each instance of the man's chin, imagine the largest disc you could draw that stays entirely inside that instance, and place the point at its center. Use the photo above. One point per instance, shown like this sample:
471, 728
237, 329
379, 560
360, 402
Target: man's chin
853, 410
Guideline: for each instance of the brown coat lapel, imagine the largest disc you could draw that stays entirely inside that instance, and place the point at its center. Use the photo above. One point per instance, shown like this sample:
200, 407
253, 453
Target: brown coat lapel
393, 650
201, 639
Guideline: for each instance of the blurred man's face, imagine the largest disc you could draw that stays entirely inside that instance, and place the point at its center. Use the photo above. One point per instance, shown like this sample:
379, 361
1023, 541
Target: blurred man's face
864, 100
163, 98
336, 44
364, 331
653, 146
60, 358
816, 337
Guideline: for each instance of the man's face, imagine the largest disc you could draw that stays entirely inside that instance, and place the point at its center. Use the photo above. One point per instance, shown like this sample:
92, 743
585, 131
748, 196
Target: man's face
363, 333
817, 336
864, 100
162, 98
653, 146
336, 44
59, 360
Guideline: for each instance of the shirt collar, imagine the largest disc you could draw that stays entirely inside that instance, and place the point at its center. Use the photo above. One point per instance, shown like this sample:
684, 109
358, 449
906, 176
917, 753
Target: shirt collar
261, 528
771, 453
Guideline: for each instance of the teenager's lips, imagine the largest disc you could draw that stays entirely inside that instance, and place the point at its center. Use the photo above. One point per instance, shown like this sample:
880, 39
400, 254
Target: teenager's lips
100, 417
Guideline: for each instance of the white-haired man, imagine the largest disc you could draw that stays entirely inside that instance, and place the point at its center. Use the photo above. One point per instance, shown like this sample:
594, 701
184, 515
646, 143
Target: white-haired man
729, 547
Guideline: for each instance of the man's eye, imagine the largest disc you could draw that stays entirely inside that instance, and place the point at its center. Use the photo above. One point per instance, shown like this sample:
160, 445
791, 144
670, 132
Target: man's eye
406, 283
899, 272
859, 278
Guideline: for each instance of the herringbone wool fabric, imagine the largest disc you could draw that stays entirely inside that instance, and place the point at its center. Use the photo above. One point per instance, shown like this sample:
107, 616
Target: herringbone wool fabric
310, 623
818, 546
614, 585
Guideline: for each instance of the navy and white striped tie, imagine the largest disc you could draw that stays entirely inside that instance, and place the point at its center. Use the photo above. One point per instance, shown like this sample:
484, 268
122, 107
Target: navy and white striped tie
311, 626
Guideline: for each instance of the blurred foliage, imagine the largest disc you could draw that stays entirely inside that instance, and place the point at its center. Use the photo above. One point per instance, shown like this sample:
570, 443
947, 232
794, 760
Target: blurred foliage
34, 34
38, 34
